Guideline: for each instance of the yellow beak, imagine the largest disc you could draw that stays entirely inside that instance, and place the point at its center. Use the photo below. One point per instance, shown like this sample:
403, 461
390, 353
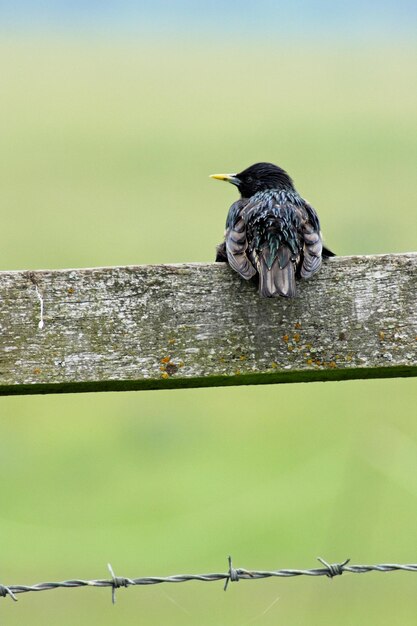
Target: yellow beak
230, 178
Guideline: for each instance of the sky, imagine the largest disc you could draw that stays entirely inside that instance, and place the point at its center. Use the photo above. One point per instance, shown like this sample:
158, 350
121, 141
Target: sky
311, 18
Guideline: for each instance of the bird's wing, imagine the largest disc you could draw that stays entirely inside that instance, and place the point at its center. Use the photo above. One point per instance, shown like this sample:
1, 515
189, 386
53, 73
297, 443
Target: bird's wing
272, 235
313, 246
236, 242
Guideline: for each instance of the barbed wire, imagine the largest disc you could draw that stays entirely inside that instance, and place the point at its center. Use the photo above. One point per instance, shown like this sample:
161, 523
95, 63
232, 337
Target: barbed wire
232, 575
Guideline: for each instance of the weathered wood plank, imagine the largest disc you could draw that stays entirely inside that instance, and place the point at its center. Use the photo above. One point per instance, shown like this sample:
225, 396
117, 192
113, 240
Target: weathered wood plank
171, 326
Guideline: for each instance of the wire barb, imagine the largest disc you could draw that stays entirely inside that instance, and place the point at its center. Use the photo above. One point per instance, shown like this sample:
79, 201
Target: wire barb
233, 574
6, 591
117, 582
334, 569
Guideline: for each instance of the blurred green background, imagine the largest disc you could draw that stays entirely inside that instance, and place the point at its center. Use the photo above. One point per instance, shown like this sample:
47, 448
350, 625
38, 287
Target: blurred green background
106, 146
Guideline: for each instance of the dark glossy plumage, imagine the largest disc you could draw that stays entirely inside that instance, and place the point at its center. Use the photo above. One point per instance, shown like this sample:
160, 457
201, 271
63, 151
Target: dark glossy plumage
271, 231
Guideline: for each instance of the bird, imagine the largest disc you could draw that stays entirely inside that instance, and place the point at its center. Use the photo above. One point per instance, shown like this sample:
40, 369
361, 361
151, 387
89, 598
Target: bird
271, 231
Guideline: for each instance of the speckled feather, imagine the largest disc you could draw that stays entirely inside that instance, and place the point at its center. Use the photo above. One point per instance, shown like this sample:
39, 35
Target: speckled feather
273, 233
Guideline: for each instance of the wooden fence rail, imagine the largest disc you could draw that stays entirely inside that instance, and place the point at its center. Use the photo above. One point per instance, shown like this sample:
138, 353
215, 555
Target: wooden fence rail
200, 325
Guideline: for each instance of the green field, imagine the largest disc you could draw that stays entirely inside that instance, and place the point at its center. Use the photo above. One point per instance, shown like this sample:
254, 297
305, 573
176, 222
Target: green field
105, 152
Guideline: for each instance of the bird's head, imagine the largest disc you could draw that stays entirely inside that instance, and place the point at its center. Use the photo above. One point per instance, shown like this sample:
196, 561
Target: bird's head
258, 177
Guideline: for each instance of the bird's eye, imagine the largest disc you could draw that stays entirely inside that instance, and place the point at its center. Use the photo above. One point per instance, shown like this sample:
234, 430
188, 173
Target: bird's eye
249, 179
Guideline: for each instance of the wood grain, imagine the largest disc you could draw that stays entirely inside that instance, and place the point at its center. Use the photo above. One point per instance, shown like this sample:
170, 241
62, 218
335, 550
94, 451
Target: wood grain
194, 325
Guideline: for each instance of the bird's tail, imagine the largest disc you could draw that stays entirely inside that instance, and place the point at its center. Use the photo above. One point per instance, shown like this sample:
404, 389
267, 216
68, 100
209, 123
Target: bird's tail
277, 279
326, 253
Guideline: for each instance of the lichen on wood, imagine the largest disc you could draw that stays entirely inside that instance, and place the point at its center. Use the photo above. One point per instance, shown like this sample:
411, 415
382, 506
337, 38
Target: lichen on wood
191, 325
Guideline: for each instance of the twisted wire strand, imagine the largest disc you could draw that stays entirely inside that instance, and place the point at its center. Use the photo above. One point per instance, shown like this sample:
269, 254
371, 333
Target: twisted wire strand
232, 575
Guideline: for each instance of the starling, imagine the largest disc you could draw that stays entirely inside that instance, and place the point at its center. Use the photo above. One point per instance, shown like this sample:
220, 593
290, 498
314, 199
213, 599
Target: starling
271, 231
